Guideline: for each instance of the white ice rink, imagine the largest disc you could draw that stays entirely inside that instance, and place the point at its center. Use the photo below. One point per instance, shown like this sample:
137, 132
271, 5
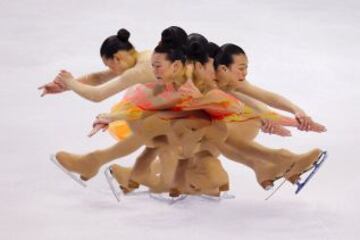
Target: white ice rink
305, 50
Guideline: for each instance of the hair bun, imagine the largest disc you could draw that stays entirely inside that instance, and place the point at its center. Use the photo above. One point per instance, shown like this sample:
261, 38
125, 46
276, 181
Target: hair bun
168, 38
123, 35
173, 37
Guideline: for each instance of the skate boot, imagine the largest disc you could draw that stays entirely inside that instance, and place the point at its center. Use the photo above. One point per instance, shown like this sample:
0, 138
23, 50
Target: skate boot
122, 175
268, 173
224, 187
87, 166
304, 163
310, 161
117, 177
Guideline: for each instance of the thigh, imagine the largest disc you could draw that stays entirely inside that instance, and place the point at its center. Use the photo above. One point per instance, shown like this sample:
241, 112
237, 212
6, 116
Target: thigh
244, 131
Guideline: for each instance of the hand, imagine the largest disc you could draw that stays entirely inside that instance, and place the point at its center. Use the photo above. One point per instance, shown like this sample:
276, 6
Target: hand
63, 78
52, 88
317, 127
304, 121
272, 127
98, 127
101, 122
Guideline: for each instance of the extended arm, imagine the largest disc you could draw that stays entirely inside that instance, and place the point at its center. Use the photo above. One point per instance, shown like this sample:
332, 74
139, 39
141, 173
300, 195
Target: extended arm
271, 99
139, 74
92, 79
258, 106
97, 78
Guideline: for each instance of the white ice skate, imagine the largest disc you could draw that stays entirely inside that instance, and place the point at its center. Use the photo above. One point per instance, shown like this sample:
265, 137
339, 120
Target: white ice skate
70, 174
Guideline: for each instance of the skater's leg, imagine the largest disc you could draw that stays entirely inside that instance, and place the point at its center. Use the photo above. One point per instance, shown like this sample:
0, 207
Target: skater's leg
87, 165
118, 150
245, 131
268, 164
122, 176
142, 168
207, 176
168, 162
179, 181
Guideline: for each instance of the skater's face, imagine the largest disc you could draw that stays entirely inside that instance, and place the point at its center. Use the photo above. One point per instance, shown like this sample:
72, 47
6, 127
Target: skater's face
164, 69
120, 61
224, 77
239, 67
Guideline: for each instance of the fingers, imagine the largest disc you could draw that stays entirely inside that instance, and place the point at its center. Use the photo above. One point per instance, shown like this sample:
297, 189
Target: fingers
269, 126
281, 131
105, 127
45, 91
52, 88
266, 126
65, 74
60, 83
307, 124
316, 127
98, 122
93, 132
97, 128
57, 85
304, 122
42, 86
285, 132
272, 127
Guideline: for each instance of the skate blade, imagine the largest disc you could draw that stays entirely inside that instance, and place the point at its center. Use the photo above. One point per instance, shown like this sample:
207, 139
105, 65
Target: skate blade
110, 180
227, 196
317, 165
223, 196
275, 189
167, 199
70, 174
138, 193
210, 198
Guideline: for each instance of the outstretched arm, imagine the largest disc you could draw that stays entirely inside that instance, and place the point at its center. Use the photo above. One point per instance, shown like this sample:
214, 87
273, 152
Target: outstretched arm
269, 98
97, 78
139, 74
277, 101
258, 106
92, 79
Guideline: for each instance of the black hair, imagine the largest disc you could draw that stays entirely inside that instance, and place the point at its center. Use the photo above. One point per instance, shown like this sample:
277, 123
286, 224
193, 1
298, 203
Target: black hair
200, 49
197, 48
173, 42
116, 43
213, 49
225, 55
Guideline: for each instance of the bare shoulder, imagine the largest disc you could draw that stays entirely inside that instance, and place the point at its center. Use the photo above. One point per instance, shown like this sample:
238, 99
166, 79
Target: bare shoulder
144, 56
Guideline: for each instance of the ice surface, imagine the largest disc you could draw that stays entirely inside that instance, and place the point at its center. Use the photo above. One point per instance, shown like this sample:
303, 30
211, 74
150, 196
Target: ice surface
305, 50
